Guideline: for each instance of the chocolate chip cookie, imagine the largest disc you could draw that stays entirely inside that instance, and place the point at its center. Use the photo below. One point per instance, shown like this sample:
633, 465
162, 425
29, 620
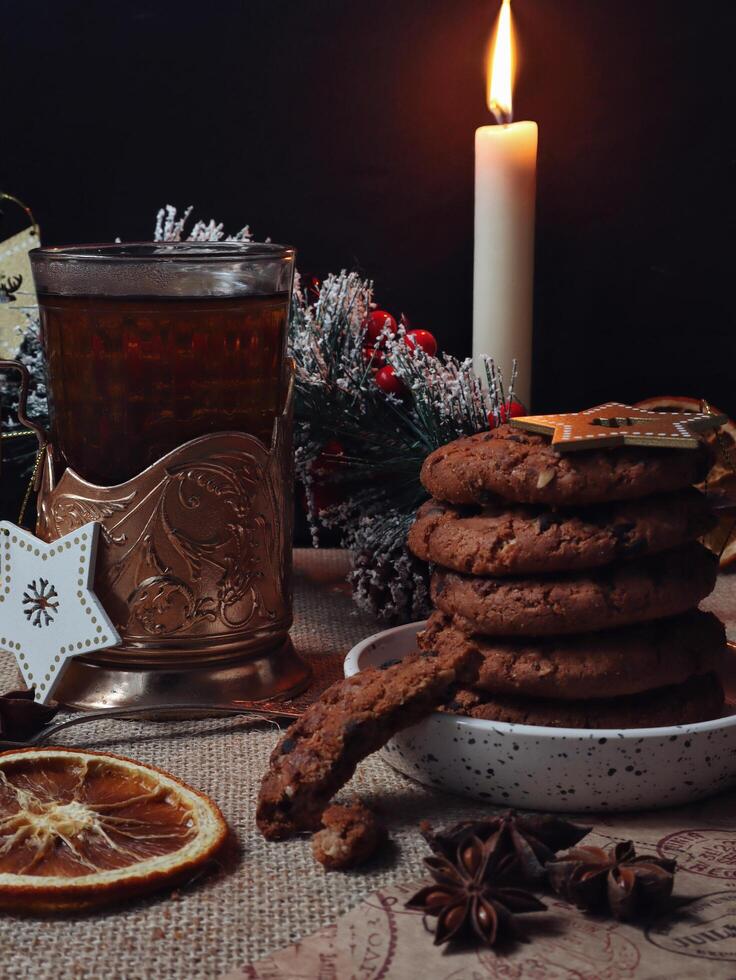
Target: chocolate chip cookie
574, 602
522, 467
503, 539
606, 664
698, 699
356, 716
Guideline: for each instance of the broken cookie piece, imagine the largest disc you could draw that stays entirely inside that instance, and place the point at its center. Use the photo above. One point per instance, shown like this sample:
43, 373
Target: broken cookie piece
351, 835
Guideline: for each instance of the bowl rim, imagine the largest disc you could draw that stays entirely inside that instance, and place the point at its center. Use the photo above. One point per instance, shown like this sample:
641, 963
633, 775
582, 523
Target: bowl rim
351, 666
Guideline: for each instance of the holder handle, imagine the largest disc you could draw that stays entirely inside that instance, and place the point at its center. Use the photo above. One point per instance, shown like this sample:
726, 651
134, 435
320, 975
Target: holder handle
22, 370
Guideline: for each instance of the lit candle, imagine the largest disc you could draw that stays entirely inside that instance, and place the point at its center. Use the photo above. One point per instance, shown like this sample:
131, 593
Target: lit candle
505, 188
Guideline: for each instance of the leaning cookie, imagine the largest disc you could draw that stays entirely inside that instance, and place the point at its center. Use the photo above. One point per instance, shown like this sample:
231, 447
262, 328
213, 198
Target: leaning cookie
356, 716
522, 467
576, 602
503, 539
697, 699
610, 663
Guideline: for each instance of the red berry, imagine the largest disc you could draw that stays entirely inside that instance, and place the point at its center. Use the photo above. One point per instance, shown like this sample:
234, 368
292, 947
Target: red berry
423, 339
510, 410
388, 381
515, 409
374, 323
374, 357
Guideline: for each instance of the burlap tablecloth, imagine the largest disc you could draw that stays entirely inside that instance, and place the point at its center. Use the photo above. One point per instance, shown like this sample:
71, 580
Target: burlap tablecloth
274, 893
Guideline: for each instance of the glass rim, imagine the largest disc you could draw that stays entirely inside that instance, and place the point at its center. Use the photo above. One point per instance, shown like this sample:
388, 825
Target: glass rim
162, 252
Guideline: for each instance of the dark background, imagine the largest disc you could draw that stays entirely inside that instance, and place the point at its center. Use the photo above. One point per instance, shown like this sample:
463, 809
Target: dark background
346, 129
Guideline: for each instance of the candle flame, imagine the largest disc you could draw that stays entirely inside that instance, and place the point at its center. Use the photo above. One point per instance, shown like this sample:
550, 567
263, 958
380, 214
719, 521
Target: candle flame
500, 67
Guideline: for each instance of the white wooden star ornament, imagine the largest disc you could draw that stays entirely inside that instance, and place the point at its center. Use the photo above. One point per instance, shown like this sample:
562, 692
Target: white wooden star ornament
614, 424
48, 611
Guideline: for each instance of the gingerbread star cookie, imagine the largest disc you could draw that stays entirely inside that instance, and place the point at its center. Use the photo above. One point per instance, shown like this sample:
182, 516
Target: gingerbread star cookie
615, 424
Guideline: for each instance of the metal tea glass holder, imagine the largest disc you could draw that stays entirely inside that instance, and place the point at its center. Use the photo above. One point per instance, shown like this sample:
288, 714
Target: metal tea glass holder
194, 568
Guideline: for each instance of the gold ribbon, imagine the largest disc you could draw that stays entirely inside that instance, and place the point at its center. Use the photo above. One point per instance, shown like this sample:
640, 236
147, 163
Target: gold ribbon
34, 473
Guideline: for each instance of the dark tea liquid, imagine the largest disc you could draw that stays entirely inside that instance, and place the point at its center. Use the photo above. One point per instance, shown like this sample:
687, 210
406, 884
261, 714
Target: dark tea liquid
133, 379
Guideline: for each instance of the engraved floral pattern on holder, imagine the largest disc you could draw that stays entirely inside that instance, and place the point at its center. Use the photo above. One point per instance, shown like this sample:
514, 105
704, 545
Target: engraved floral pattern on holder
71, 510
195, 551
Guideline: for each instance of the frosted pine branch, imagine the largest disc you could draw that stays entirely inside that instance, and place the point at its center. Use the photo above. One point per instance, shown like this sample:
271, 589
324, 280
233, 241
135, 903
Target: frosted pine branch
170, 228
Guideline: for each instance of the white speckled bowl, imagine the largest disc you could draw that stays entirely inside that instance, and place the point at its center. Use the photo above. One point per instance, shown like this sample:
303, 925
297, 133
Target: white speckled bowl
554, 768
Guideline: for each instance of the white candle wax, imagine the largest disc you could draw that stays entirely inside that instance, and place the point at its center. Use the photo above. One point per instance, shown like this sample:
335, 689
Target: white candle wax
503, 276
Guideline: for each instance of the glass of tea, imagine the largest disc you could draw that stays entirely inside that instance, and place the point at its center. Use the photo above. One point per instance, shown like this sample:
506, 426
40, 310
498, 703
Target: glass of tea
149, 345
170, 399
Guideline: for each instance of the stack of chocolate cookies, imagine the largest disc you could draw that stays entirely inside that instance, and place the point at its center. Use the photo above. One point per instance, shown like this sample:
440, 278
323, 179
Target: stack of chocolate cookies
577, 577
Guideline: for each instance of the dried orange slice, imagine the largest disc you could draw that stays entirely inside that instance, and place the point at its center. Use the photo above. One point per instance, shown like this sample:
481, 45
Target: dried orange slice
720, 483
83, 829
722, 475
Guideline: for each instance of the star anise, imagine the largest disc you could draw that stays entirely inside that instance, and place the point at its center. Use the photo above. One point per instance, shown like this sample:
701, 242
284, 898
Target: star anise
466, 900
523, 845
618, 880
21, 716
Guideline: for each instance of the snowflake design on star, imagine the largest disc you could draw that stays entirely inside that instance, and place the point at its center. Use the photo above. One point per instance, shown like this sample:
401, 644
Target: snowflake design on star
40, 602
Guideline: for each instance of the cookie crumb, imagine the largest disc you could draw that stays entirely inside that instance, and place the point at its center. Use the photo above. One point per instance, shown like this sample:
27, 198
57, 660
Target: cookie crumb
351, 835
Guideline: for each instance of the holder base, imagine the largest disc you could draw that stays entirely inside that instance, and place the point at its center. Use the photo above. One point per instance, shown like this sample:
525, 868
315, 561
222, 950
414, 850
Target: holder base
275, 673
